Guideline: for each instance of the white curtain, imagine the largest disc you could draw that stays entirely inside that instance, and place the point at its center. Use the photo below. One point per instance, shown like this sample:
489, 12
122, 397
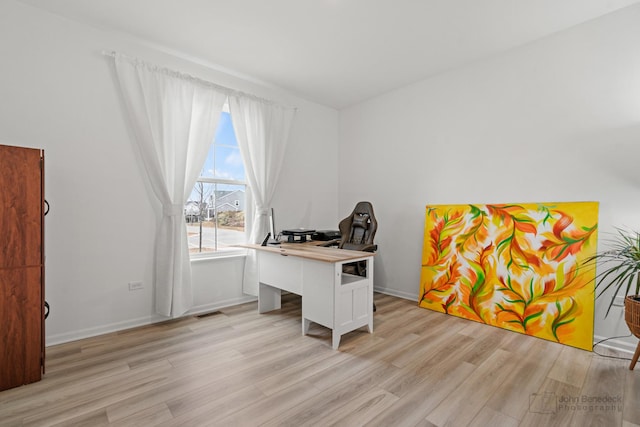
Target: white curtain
262, 130
174, 118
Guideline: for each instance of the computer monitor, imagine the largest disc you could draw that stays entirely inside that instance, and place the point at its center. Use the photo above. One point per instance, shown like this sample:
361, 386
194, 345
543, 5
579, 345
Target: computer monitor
272, 227
272, 237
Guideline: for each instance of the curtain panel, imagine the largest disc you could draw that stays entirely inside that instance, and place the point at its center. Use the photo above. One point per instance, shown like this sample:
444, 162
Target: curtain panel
174, 118
262, 130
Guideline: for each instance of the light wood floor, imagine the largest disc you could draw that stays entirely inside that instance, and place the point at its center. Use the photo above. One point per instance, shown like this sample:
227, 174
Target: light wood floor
239, 368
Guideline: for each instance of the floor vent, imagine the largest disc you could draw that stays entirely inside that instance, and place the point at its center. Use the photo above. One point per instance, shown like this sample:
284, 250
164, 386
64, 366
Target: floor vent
203, 315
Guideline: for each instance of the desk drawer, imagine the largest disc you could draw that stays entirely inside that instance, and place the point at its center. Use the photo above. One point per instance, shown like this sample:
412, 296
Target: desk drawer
281, 271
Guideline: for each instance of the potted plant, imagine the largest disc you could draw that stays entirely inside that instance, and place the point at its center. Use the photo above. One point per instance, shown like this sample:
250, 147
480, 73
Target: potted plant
618, 270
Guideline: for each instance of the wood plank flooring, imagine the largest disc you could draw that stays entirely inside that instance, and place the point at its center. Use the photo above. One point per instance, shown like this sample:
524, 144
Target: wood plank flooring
240, 368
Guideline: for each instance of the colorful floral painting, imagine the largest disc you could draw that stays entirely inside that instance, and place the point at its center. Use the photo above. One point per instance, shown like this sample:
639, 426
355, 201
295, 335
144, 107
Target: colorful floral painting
515, 266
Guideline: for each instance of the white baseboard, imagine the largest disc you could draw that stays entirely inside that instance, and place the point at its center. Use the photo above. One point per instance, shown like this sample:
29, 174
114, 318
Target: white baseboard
208, 308
618, 344
396, 293
142, 321
101, 330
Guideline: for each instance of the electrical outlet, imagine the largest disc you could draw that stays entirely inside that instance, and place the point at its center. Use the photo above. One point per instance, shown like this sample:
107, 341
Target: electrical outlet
618, 301
135, 286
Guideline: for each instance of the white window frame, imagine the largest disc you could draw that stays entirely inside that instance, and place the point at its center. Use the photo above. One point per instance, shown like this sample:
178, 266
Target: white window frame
227, 252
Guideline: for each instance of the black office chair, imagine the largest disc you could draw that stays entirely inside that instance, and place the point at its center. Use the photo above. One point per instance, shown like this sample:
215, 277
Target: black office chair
357, 232
358, 229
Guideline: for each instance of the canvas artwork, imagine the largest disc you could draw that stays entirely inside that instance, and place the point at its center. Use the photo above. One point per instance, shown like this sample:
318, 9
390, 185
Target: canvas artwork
514, 266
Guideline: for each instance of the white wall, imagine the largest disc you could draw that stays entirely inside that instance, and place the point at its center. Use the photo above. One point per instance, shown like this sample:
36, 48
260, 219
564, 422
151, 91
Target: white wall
556, 120
57, 92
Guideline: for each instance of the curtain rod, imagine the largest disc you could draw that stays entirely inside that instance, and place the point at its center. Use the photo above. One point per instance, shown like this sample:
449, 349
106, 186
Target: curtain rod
174, 73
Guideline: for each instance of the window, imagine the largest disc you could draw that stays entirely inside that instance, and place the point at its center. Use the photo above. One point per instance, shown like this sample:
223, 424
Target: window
215, 211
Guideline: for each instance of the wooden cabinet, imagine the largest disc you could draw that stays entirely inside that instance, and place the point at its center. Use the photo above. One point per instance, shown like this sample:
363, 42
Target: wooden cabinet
21, 266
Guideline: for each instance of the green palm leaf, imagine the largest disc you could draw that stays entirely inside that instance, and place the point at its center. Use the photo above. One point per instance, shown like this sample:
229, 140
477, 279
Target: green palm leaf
618, 266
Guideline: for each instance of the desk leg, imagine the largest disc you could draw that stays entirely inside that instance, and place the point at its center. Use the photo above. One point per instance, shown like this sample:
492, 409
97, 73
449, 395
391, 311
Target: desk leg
335, 338
370, 291
305, 326
268, 298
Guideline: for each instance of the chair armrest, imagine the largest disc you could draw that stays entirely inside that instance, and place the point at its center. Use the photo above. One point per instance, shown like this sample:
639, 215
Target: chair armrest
364, 248
370, 248
329, 243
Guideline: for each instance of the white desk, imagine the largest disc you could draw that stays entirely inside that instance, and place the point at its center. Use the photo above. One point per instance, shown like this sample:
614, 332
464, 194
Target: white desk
331, 298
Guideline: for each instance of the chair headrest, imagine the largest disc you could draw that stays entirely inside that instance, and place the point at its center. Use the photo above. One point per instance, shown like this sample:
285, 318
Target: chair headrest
360, 220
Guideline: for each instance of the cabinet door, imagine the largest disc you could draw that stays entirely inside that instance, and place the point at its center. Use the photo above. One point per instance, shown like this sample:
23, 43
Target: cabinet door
20, 326
20, 207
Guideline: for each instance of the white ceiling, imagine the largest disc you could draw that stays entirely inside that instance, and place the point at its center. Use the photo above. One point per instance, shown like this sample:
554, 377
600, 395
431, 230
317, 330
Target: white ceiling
335, 52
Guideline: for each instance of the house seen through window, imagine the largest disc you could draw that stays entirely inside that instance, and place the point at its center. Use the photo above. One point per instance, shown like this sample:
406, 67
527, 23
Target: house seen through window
215, 210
